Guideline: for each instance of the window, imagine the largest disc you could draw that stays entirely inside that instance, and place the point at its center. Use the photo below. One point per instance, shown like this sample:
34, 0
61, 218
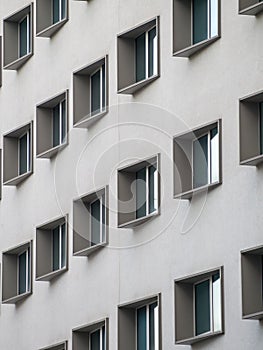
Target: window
90, 222
52, 126
199, 306
60, 346
197, 160
51, 249
250, 7
196, 24
16, 273
252, 283
18, 155
50, 16
138, 57
139, 324
90, 93
251, 129
138, 192
93, 336
18, 38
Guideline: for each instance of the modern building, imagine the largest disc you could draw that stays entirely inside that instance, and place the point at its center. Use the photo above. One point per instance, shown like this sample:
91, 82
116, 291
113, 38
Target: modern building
131, 175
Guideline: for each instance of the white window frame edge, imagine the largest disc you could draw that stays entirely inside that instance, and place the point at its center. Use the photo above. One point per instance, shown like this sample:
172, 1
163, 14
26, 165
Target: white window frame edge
102, 203
28, 152
61, 116
101, 337
27, 16
60, 11
101, 109
60, 247
28, 282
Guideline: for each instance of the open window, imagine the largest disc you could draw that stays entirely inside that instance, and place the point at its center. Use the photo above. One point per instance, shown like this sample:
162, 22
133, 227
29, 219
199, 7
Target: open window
197, 160
52, 126
51, 15
139, 324
94, 336
199, 307
196, 24
59, 346
18, 155
90, 93
251, 129
90, 222
138, 56
138, 192
250, 7
51, 249
18, 38
16, 273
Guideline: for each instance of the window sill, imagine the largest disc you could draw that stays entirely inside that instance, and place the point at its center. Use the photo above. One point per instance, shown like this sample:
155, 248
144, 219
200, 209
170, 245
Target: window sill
16, 180
87, 121
51, 30
253, 161
253, 316
51, 275
16, 298
198, 338
189, 194
139, 221
88, 251
131, 89
190, 50
53, 151
252, 10
15, 65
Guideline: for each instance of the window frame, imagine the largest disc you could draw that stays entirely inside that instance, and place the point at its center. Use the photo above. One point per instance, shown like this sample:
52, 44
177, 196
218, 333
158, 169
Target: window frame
60, 247
27, 133
27, 280
101, 109
60, 11
101, 337
27, 16
62, 140
102, 208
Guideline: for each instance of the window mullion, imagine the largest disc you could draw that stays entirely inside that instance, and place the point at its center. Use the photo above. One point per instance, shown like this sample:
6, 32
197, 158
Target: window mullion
101, 87
209, 156
28, 150
28, 33
146, 55
60, 247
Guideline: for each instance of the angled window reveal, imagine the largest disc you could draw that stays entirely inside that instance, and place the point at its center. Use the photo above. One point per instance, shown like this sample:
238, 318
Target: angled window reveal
250, 7
59, 346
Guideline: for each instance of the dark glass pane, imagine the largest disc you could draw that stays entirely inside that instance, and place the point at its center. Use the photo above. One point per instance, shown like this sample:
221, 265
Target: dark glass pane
55, 11
152, 326
200, 13
56, 127
152, 189
63, 9
22, 283
140, 58
103, 217
23, 155
95, 340
141, 193
261, 127
95, 222
202, 307
56, 249
151, 52
215, 277
64, 121
103, 338
103, 87
95, 92
141, 328
23, 37
200, 159
63, 245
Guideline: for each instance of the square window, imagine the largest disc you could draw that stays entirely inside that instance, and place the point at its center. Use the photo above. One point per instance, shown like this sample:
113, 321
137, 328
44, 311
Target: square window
18, 38
199, 306
60, 346
52, 126
138, 56
90, 222
197, 160
138, 192
196, 24
51, 15
250, 7
16, 273
251, 129
18, 155
139, 324
252, 283
93, 336
90, 93
51, 249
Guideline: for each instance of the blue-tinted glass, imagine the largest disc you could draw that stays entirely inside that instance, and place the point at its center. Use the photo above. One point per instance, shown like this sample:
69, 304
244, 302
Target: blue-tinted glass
23, 152
95, 340
200, 159
56, 11
141, 193
95, 93
56, 249
152, 52
22, 282
103, 87
63, 9
63, 245
202, 307
141, 328
199, 20
56, 126
140, 58
64, 122
152, 189
261, 127
23, 37
95, 222
152, 326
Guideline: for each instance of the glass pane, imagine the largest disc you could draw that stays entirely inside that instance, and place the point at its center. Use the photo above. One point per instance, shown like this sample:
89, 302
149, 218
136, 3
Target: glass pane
23, 155
56, 127
23, 37
153, 189
95, 340
95, 92
141, 329
63, 9
214, 155
22, 274
140, 57
56, 249
200, 160
213, 18
103, 87
55, 11
152, 54
217, 302
103, 218
199, 20
261, 127
63, 245
141, 193
153, 327
64, 121
103, 338
202, 307
95, 222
